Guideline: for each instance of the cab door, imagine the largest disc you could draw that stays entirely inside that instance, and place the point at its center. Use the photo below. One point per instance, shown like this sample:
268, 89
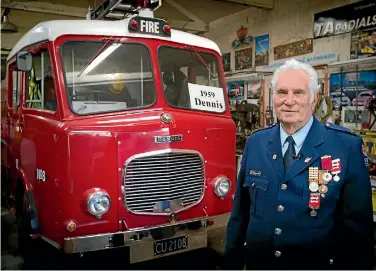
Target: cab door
40, 145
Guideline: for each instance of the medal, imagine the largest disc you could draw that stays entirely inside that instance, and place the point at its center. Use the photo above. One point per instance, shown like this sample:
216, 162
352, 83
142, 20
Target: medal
323, 189
327, 177
313, 186
313, 213
314, 203
336, 169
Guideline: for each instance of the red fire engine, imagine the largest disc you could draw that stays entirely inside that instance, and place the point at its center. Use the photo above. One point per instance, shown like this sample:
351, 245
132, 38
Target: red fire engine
117, 133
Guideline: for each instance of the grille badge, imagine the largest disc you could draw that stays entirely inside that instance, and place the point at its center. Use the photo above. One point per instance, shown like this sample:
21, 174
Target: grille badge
166, 118
168, 139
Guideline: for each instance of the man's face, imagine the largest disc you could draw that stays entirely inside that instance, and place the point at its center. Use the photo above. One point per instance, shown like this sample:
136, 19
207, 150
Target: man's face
292, 98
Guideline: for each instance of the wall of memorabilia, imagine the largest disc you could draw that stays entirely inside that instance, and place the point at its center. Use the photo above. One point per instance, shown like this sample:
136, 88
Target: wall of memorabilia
347, 80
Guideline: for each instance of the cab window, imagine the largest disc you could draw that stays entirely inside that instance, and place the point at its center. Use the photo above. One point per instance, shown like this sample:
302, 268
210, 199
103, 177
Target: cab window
40, 90
107, 76
16, 80
191, 79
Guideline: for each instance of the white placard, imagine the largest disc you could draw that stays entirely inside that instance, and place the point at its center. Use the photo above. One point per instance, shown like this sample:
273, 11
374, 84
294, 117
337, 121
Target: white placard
207, 98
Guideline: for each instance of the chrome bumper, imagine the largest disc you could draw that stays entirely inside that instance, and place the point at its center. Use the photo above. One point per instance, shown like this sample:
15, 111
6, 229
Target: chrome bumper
141, 242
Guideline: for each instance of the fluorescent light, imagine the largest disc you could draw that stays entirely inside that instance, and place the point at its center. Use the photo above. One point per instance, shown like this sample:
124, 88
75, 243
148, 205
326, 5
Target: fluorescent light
109, 50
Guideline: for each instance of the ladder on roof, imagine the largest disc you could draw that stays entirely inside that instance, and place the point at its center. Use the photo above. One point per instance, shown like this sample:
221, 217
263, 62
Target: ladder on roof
121, 9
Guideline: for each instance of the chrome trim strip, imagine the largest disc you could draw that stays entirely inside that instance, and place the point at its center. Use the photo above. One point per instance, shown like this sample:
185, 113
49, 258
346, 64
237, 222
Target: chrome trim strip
48, 240
153, 153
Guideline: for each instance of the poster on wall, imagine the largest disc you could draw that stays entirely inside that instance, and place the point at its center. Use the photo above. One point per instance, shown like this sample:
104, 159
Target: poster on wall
363, 44
353, 93
254, 88
236, 90
345, 19
243, 59
292, 49
262, 50
226, 59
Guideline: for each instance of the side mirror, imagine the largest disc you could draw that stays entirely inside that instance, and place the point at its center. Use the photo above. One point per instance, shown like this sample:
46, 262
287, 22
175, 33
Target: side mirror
24, 61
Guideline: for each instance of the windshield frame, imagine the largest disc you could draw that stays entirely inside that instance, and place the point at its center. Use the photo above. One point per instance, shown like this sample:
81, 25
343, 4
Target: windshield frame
191, 49
102, 39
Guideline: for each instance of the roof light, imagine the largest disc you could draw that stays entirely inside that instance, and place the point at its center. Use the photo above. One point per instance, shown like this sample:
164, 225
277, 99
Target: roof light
167, 29
133, 24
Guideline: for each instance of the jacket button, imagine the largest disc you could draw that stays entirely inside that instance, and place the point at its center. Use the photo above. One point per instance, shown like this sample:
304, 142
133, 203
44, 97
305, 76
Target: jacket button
284, 186
280, 208
278, 253
278, 231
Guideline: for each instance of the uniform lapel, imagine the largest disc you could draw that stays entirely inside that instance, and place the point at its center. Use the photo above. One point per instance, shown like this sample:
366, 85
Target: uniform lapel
274, 151
308, 153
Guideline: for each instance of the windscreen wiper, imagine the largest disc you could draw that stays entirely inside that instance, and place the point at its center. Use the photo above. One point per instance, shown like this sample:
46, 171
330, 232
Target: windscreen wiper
105, 45
202, 60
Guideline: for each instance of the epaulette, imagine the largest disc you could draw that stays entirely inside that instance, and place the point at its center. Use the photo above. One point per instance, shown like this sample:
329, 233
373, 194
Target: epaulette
339, 128
264, 128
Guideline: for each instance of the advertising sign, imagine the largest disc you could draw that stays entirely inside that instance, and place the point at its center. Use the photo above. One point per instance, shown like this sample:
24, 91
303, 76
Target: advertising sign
357, 89
292, 49
363, 44
345, 19
313, 60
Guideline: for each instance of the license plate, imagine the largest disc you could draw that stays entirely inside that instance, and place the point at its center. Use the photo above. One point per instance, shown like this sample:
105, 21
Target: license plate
170, 245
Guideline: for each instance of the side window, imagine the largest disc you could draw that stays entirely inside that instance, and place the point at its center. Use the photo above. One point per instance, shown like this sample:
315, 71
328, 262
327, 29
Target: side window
16, 87
40, 92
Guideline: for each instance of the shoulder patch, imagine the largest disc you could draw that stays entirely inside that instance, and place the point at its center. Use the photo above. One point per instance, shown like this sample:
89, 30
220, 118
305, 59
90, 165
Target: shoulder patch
339, 128
264, 128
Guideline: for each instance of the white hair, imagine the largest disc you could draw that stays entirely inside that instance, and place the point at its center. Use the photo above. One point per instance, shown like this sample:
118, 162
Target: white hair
293, 64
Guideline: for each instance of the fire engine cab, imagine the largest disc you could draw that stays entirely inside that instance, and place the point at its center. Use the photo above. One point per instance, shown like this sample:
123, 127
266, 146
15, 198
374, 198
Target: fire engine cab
116, 132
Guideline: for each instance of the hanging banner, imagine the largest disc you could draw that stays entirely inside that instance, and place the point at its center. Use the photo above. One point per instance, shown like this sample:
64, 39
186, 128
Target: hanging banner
345, 19
363, 44
292, 49
313, 60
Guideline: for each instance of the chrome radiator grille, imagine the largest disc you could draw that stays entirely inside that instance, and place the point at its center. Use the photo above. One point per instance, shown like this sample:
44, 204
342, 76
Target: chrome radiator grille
167, 176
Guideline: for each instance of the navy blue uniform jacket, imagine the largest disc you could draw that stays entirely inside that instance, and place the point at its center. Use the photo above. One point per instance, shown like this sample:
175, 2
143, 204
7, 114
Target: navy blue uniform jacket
270, 226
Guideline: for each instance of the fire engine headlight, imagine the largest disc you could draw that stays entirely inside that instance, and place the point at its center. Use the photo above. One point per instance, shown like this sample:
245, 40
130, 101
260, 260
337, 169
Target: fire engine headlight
98, 203
222, 187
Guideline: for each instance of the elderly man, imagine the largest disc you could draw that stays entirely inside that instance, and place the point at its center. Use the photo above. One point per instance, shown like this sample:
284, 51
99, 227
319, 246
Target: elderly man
303, 195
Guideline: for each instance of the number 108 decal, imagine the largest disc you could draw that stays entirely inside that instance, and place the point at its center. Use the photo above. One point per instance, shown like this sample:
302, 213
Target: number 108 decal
41, 175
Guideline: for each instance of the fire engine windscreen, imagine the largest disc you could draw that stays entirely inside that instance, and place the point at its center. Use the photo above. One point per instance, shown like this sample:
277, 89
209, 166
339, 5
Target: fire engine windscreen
191, 79
107, 76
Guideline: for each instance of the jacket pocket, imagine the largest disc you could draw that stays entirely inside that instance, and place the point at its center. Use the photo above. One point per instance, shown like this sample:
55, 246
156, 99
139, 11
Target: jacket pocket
257, 187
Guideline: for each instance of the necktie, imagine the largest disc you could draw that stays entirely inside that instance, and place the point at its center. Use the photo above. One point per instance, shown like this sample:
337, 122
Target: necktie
288, 158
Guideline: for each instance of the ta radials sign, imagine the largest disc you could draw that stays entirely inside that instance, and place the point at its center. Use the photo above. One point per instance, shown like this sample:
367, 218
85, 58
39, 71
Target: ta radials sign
345, 19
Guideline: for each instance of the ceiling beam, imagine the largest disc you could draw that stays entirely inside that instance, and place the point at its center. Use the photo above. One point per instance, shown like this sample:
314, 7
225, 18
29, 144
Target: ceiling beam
185, 11
267, 4
63, 10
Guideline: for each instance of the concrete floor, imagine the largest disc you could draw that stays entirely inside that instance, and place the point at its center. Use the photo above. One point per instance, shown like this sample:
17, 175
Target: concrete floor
114, 259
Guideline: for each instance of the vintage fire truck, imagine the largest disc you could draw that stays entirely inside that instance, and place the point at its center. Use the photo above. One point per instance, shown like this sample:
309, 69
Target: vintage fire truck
117, 133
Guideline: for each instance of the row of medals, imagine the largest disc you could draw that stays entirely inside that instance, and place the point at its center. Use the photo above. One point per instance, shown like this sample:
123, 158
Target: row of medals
318, 186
